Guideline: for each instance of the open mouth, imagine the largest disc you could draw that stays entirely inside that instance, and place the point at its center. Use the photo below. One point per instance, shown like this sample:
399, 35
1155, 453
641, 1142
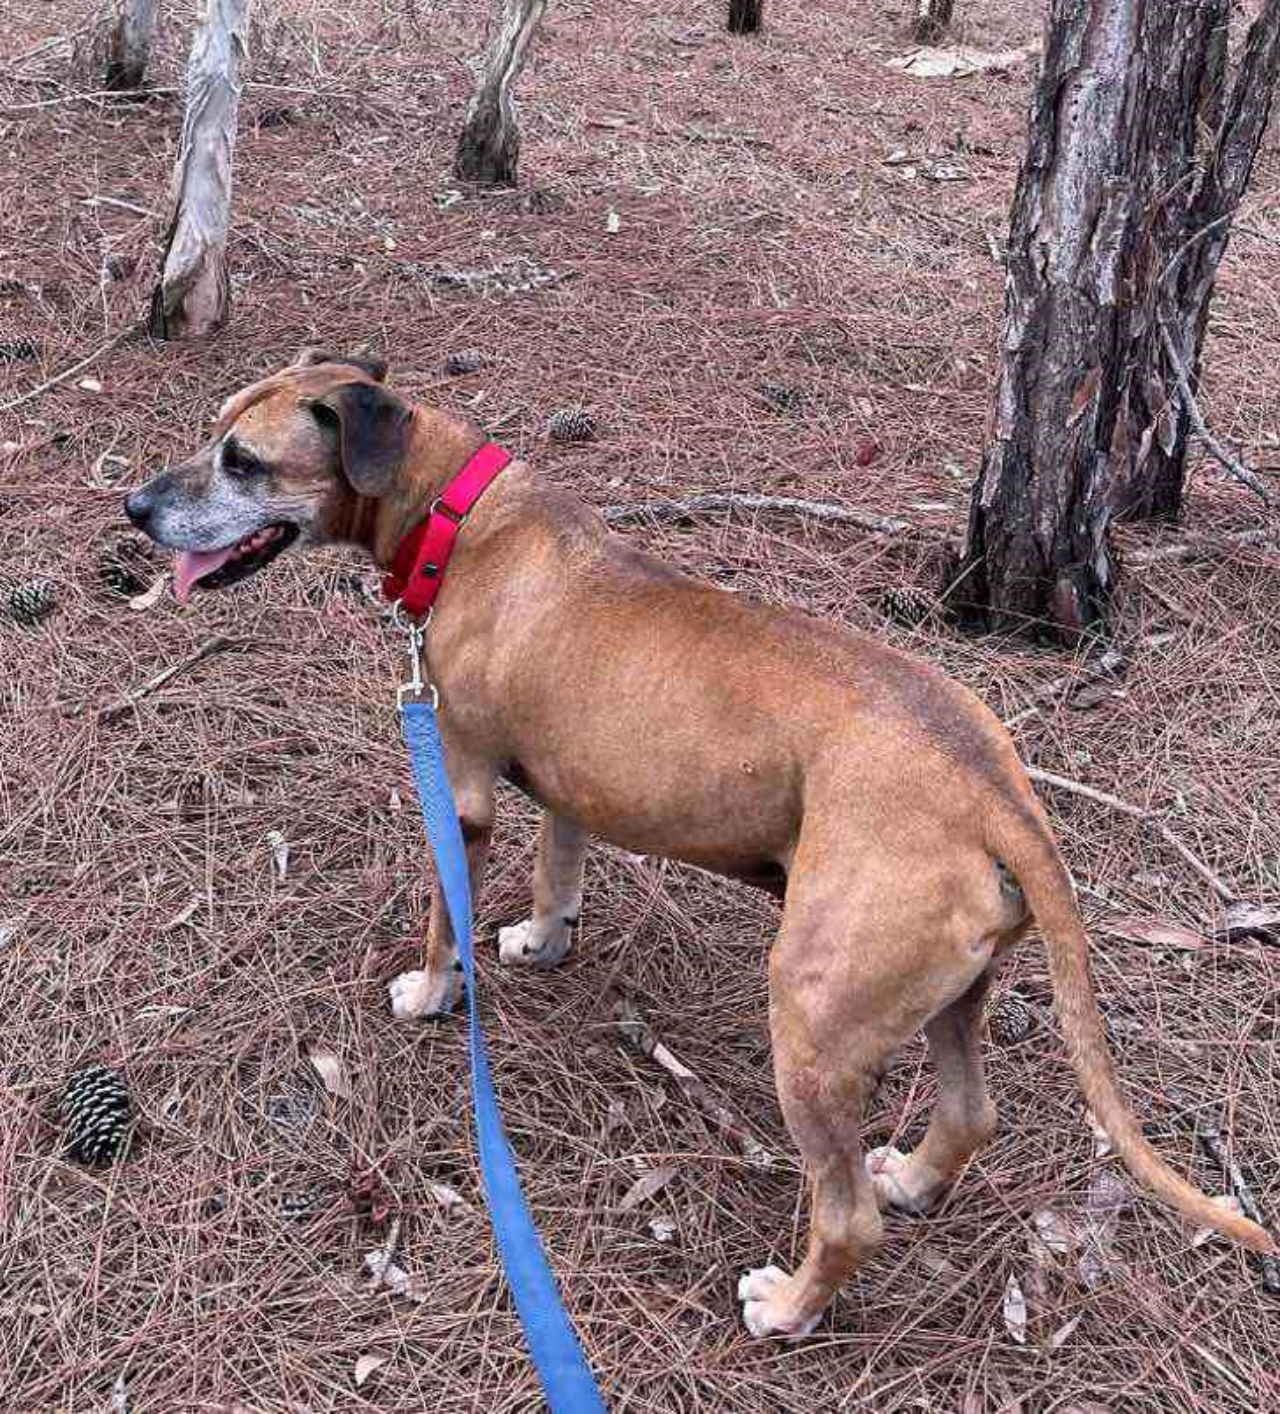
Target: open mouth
215, 569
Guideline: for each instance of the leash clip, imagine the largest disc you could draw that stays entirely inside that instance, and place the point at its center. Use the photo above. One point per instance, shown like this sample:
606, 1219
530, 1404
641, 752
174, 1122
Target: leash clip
415, 686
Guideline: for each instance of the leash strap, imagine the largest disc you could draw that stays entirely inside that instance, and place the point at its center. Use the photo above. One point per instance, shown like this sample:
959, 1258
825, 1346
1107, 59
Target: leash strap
566, 1377
417, 572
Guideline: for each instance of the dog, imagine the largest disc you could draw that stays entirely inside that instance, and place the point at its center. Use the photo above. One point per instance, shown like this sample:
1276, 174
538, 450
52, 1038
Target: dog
881, 801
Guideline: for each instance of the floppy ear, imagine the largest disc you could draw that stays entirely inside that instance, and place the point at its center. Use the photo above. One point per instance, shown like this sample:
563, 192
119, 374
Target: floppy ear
376, 368
373, 427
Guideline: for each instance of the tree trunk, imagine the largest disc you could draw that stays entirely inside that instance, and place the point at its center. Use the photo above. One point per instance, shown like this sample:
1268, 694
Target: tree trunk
125, 42
194, 292
1105, 201
933, 19
1175, 268
745, 16
489, 147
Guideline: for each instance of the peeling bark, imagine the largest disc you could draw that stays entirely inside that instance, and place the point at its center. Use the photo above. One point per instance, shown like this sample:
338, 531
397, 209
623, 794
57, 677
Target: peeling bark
193, 295
489, 147
745, 16
933, 19
1086, 418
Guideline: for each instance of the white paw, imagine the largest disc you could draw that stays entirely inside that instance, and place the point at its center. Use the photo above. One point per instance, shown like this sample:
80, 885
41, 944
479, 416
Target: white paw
415, 995
896, 1179
757, 1290
531, 944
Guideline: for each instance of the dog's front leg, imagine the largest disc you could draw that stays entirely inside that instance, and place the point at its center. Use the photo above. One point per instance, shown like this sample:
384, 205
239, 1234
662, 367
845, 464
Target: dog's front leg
543, 940
435, 990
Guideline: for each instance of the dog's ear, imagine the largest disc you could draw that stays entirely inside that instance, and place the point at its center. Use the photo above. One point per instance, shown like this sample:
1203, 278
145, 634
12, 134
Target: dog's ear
376, 368
373, 426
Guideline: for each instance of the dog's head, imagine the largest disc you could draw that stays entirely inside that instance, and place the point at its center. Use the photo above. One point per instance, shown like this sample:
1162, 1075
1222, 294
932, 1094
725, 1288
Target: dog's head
290, 458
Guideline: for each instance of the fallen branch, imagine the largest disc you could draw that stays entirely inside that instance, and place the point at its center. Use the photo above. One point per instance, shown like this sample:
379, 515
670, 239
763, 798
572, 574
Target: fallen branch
640, 1036
216, 644
113, 342
791, 505
1136, 812
1204, 1125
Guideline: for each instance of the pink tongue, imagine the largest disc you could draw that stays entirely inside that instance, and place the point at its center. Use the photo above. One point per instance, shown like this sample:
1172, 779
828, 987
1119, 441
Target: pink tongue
192, 565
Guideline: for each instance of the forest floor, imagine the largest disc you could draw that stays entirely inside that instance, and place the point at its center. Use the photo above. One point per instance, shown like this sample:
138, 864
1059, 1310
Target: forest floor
791, 212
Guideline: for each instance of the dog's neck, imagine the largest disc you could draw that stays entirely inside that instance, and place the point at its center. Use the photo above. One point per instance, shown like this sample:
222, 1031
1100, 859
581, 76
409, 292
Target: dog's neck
440, 445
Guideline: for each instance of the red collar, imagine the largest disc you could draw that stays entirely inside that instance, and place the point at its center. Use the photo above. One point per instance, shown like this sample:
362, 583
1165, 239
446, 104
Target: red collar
417, 572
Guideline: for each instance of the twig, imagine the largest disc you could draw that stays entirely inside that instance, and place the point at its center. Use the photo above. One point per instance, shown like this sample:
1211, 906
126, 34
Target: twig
1219, 453
1204, 1125
216, 644
1136, 812
793, 505
114, 341
1109, 667
640, 1036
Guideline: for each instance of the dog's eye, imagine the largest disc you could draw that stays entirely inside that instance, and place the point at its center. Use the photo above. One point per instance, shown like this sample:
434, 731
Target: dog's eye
238, 460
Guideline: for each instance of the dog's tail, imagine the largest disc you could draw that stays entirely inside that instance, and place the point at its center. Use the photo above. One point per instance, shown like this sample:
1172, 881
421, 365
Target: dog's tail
1021, 840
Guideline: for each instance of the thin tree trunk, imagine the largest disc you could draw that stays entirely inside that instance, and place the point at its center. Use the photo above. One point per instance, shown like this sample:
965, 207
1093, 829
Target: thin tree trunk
489, 147
933, 19
1177, 266
745, 16
129, 27
194, 292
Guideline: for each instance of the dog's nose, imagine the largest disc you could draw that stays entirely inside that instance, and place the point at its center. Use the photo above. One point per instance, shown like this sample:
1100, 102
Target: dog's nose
139, 505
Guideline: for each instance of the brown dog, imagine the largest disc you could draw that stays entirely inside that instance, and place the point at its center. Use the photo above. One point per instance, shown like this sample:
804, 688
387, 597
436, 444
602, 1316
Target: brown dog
884, 801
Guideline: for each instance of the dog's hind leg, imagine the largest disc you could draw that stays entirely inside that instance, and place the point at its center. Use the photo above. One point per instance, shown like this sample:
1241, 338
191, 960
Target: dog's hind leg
543, 940
435, 990
963, 1118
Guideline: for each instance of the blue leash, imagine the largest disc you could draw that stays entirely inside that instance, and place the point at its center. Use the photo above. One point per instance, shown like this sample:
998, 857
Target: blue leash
566, 1377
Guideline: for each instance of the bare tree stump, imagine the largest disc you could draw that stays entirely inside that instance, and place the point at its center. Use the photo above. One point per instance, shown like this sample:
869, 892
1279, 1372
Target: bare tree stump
121, 43
488, 149
933, 20
745, 16
1084, 419
193, 295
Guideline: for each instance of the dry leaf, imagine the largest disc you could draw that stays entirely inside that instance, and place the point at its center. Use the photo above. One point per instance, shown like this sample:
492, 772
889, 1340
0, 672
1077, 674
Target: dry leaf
394, 803
929, 63
119, 1396
1158, 932
664, 1229
90, 385
384, 1272
331, 1071
448, 1199
1248, 920
1015, 1311
149, 598
613, 222
646, 1186
1054, 1231
366, 1365
1101, 1139
1229, 1203
1108, 1194
1063, 1334
946, 172
279, 851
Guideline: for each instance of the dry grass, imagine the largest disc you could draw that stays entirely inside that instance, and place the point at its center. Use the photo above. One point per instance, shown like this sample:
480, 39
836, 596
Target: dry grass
799, 260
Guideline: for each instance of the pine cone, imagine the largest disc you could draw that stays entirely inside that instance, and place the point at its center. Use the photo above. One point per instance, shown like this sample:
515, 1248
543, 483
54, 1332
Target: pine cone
907, 605
33, 600
128, 565
97, 1113
462, 362
571, 425
1009, 1020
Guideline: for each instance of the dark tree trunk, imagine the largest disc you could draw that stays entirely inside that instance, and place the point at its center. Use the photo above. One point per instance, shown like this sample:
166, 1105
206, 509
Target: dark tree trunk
131, 25
489, 147
1104, 203
933, 19
1175, 268
745, 16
